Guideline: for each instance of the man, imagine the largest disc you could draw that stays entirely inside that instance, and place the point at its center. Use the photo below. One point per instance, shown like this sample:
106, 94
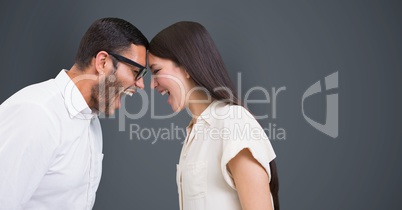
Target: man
50, 136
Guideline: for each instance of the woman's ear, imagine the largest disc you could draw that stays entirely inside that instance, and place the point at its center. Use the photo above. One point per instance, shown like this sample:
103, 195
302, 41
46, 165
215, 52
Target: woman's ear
187, 74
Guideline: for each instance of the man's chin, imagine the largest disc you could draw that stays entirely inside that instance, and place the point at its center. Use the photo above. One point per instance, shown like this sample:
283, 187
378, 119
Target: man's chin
109, 113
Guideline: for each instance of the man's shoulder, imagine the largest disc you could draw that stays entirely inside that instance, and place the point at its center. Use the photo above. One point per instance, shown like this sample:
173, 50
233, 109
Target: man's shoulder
45, 94
40, 103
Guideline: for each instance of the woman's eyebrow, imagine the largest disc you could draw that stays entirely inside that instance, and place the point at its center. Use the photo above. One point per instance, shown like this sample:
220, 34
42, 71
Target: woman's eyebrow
151, 66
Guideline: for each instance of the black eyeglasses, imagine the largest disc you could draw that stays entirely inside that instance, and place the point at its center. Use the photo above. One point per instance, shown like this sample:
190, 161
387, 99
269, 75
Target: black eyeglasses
142, 69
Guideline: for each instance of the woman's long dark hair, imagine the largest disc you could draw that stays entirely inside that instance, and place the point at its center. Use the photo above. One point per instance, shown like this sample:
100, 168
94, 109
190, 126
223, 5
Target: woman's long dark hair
189, 44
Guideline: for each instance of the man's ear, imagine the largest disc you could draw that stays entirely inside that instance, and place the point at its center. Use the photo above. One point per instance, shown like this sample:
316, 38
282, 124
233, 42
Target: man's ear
101, 61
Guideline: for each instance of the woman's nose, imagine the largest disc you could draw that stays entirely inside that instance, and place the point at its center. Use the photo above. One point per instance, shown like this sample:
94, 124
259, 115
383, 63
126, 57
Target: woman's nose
154, 83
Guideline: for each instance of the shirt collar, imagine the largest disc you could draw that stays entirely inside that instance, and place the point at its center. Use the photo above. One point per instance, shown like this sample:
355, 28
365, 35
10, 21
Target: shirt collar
210, 114
73, 99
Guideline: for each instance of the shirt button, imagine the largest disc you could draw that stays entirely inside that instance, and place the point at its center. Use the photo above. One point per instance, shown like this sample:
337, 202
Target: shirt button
184, 155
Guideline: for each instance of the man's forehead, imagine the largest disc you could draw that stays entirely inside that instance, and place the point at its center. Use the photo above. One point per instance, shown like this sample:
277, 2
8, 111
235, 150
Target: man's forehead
137, 53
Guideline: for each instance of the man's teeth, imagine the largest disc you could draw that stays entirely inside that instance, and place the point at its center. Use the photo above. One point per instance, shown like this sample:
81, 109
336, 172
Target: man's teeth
164, 92
128, 93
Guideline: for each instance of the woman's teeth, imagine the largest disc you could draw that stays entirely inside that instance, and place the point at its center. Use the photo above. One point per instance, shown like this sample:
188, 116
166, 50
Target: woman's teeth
164, 92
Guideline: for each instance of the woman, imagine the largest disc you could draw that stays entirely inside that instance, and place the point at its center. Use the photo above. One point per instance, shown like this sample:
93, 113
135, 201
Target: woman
227, 160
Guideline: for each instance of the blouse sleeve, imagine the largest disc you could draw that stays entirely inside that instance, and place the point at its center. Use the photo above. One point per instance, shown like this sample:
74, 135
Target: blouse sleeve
244, 132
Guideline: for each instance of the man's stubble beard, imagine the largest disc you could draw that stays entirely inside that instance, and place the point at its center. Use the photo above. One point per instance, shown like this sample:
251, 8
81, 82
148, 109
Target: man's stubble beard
105, 93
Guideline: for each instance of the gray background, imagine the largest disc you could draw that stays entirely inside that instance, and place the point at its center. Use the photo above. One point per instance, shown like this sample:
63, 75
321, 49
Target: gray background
288, 44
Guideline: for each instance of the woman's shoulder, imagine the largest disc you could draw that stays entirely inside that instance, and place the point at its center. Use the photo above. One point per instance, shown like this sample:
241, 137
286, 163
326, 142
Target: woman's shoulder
225, 111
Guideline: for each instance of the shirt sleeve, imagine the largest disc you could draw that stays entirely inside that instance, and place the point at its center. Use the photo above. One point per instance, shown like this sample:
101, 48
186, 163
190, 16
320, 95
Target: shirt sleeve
243, 131
27, 144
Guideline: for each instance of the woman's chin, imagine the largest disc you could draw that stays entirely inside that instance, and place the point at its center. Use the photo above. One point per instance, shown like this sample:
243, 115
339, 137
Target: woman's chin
177, 107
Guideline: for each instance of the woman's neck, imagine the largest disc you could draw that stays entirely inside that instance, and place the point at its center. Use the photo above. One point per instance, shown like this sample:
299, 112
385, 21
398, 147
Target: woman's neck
198, 102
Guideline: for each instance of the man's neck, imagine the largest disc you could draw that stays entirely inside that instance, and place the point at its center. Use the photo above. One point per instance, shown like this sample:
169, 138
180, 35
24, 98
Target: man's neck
84, 80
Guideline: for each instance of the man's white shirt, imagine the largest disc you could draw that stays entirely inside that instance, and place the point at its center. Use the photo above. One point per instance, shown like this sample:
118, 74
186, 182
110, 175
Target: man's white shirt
50, 148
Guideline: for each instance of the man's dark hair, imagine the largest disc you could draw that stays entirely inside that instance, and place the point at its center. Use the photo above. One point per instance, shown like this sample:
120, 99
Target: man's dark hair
108, 34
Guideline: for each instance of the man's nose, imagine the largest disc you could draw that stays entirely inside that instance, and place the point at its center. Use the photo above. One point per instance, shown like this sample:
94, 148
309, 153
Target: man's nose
140, 83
